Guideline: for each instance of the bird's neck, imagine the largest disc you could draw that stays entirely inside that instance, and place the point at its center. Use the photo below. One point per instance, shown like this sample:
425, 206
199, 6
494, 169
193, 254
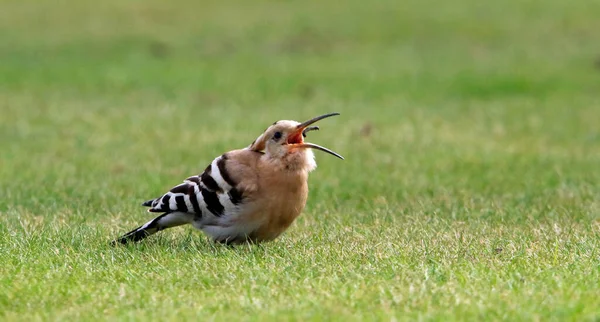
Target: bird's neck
300, 161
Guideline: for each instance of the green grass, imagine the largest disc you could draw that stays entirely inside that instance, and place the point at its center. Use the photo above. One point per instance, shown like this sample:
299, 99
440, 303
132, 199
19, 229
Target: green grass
470, 189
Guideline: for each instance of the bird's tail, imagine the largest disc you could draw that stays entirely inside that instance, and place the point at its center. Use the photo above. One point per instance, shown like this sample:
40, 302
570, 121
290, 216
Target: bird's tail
164, 221
148, 203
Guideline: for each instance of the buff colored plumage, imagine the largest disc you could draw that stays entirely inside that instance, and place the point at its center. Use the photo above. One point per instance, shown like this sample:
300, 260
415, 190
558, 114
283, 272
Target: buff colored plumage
248, 195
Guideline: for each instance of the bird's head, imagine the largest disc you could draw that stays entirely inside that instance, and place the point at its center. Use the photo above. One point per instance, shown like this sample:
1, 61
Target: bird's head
284, 140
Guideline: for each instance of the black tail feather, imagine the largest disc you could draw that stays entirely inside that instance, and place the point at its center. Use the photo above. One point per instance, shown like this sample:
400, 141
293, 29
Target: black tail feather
148, 203
164, 221
140, 232
132, 236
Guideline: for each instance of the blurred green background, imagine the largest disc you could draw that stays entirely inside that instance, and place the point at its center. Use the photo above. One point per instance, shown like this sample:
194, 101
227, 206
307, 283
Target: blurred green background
459, 118
150, 86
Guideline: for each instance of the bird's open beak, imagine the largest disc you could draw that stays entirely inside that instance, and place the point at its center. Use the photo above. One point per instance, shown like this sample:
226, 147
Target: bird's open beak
296, 138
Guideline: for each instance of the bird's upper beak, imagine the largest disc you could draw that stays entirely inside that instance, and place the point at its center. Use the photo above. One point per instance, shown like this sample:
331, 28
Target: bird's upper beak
297, 137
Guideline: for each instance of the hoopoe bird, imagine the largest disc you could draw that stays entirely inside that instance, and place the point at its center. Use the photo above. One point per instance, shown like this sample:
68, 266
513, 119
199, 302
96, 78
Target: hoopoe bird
247, 195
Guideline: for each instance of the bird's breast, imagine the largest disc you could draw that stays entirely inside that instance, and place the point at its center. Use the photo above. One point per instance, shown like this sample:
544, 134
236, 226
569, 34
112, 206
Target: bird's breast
282, 201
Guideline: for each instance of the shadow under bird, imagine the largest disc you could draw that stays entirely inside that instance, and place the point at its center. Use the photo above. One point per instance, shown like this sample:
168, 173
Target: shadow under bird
247, 195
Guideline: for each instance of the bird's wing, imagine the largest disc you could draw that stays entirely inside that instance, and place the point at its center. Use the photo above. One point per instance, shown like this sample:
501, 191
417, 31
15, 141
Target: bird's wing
227, 183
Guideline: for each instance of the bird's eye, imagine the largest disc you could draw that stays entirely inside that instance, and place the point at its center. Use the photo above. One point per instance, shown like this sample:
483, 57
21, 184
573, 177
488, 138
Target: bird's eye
277, 136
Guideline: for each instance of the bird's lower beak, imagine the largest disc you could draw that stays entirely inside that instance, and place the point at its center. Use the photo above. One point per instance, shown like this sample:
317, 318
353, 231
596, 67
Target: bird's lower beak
318, 147
297, 138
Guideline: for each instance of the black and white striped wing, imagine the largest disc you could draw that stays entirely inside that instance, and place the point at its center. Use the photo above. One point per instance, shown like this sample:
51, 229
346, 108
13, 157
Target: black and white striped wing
211, 192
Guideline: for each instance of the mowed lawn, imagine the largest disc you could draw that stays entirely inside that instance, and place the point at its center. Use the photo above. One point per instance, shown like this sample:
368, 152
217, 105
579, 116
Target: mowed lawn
470, 189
